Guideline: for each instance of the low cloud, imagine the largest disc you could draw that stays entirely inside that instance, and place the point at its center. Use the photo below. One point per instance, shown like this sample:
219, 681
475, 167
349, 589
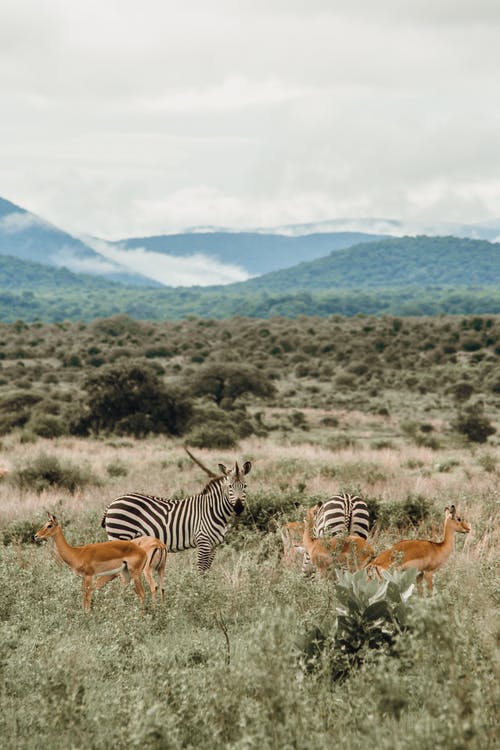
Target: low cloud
170, 270
66, 258
18, 221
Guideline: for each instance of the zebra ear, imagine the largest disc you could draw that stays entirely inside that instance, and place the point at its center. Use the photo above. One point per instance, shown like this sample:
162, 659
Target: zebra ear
246, 467
223, 469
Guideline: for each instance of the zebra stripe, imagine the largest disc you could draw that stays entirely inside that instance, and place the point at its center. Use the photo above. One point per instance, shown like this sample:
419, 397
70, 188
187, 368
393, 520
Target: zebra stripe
340, 514
197, 521
343, 514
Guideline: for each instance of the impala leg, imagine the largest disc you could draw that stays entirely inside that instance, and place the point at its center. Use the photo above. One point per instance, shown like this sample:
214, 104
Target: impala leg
161, 576
420, 587
103, 580
139, 588
428, 580
87, 592
152, 586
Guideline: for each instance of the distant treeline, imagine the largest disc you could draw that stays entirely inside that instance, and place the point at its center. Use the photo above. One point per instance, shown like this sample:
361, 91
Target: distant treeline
88, 303
409, 276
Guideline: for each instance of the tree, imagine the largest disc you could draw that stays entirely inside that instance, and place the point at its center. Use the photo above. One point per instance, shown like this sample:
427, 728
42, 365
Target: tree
474, 424
224, 383
131, 399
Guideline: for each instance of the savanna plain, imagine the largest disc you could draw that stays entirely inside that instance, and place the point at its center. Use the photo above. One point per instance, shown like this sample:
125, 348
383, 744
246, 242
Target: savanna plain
404, 412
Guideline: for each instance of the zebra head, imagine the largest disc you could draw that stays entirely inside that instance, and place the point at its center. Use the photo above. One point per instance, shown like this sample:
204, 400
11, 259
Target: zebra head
236, 485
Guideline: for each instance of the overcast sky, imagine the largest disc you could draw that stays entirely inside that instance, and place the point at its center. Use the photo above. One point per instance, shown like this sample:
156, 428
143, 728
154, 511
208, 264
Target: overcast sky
121, 118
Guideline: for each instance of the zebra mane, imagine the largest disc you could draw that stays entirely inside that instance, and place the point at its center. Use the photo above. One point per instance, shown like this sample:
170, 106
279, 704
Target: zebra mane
211, 483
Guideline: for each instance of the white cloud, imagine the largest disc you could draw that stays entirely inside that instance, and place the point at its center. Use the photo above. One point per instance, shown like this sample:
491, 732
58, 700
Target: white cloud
193, 270
66, 258
18, 221
121, 118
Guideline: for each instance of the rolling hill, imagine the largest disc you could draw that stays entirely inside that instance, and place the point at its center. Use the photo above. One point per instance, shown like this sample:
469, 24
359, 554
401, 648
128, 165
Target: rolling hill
28, 237
256, 252
390, 263
407, 276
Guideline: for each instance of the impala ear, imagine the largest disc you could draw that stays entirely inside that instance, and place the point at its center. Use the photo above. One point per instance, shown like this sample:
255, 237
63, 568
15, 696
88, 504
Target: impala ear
453, 511
246, 467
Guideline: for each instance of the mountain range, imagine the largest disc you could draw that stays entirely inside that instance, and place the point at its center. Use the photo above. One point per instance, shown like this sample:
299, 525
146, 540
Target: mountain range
318, 274
200, 256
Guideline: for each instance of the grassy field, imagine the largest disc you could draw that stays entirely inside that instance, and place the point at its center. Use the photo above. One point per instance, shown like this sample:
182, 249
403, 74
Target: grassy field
220, 664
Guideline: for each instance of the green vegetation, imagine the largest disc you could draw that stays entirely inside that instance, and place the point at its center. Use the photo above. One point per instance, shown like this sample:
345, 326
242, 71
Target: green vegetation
234, 378
249, 654
407, 276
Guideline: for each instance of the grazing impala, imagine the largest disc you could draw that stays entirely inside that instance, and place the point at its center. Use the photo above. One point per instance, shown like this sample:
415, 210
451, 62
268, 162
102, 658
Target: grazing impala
352, 552
99, 559
424, 555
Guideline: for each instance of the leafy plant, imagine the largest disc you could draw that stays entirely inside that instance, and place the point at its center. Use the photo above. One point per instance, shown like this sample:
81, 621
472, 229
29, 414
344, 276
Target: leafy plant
370, 616
474, 424
48, 471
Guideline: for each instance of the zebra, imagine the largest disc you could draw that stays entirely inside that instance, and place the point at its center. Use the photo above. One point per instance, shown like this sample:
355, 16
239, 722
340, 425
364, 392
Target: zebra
340, 514
197, 521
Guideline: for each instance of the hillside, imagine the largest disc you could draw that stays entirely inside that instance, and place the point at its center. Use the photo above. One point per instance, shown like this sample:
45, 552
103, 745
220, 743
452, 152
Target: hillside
257, 252
408, 276
389, 264
28, 237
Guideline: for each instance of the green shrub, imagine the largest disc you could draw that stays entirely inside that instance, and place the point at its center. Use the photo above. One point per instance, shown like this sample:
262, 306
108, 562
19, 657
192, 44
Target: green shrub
215, 435
47, 471
116, 469
19, 532
474, 424
46, 425
129, 399
370, 617
410, 512
15, 409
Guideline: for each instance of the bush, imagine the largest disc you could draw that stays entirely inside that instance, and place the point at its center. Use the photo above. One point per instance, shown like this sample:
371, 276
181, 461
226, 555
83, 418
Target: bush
370, 616
116, 469
474, 424
46, 425
410, 512
15, 409
224, 383
213, 436
131, 400
47, 471
19, 532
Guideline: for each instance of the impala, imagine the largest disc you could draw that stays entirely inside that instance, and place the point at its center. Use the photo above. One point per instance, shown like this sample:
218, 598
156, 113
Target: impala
99, 559
422, 554
352, 552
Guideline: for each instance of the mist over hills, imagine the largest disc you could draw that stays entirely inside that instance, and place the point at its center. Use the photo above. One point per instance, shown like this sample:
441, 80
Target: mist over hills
257, 252
397, 276
28, 237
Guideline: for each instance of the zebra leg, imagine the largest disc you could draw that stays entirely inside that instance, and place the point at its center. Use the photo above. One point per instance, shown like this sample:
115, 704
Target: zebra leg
206, 555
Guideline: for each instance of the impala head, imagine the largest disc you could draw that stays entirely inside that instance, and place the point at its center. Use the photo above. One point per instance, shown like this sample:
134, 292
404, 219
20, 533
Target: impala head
457, 522
236, 485
49, 529
313, 512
